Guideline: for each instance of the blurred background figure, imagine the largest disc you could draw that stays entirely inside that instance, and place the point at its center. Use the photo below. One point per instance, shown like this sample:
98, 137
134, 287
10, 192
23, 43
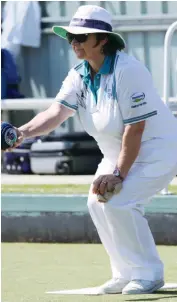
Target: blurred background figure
20, 25
10, 78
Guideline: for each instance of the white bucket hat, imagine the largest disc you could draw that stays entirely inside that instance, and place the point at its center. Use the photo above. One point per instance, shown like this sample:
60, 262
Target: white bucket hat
89, 19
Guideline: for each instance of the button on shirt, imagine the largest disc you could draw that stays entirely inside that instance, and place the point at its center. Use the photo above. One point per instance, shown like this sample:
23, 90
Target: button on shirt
121, 93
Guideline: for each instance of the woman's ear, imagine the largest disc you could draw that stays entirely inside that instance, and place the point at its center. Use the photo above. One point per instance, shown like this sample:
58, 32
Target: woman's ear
105, 41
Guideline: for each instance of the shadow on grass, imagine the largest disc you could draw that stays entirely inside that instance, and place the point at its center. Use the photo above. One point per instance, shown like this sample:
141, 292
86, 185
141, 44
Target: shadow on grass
173, 294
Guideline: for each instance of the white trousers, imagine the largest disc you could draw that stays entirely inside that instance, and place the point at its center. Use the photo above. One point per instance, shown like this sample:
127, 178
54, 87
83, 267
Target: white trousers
121, 225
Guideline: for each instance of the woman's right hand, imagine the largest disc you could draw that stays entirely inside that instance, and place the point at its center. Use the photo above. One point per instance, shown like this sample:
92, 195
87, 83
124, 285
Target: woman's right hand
20, 138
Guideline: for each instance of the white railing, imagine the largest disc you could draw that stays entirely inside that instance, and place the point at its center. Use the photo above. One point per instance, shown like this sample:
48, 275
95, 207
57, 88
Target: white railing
166, 83
167, 44
26, 104
43, 103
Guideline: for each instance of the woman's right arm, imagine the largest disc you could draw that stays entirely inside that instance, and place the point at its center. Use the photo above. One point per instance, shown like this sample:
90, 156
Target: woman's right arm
43, 123
46, 121
64, 107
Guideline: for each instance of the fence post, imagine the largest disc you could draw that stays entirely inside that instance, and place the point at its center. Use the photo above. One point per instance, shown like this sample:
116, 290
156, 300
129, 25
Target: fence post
166, 82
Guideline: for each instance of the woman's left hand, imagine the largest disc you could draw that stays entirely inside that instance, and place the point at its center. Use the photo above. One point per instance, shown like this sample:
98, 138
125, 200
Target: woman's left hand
105, 183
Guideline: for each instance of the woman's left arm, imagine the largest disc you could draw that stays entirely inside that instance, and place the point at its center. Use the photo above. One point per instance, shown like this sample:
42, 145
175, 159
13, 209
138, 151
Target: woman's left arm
131, 142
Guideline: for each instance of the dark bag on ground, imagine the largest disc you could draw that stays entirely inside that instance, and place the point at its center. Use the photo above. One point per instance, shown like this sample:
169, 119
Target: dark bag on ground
74, 153
17, 161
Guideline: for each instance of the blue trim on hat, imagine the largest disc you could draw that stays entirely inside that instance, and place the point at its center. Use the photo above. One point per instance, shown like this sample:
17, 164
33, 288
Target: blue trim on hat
91, 23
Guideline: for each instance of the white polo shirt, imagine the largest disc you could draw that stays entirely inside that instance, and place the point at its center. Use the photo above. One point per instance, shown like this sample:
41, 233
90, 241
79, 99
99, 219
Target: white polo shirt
122, 93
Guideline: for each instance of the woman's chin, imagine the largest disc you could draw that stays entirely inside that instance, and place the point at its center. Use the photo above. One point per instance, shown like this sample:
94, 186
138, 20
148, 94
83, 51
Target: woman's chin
80, 55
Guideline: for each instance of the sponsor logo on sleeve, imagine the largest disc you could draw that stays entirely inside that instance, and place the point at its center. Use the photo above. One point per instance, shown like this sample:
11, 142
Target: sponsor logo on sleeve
137, 99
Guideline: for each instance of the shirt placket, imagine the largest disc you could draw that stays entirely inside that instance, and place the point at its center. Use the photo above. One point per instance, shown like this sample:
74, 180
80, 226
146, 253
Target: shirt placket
93, 86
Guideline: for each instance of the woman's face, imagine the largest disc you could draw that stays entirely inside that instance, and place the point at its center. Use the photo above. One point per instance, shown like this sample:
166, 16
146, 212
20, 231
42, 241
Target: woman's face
86, 50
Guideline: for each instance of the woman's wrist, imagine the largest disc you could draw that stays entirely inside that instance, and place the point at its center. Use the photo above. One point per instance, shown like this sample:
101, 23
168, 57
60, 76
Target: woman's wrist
23, 132
117, 173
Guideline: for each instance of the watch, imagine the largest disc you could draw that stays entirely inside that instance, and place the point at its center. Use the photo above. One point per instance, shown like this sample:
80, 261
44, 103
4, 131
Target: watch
117, 173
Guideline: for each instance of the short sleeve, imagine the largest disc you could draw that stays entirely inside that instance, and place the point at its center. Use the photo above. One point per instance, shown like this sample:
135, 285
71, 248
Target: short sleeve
67, 95
136, 94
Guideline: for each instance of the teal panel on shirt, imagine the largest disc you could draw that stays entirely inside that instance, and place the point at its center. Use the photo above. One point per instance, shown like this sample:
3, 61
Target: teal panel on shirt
84, 70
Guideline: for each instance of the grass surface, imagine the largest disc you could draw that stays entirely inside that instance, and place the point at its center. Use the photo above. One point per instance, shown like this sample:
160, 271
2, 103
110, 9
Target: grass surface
50, 189
31, 269
55, 189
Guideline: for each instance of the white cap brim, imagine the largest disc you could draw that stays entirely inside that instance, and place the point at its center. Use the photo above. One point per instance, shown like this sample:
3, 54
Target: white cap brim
62, 31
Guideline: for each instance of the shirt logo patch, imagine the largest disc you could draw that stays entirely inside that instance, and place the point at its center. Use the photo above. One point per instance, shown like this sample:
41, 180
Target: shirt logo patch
138, 97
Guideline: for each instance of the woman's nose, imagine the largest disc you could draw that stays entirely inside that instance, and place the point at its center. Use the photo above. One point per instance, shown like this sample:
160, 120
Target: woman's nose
74, 41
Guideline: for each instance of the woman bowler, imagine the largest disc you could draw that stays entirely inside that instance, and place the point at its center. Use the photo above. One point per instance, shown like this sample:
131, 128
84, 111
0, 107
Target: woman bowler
118, 105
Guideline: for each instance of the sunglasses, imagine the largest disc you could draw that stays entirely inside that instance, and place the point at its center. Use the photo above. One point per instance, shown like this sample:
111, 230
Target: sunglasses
79, 38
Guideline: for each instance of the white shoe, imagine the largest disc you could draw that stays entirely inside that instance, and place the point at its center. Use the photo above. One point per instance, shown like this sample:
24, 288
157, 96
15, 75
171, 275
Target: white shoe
113, 286
136, 287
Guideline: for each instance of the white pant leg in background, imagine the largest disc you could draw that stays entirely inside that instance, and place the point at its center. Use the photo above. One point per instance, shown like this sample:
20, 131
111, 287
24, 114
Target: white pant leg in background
123, 229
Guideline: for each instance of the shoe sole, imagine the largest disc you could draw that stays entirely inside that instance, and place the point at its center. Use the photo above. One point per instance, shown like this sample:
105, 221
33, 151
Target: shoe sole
109, 292
156, 287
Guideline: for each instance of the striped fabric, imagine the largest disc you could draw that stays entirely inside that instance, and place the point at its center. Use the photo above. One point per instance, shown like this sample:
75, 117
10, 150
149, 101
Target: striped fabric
139, 118
74, 107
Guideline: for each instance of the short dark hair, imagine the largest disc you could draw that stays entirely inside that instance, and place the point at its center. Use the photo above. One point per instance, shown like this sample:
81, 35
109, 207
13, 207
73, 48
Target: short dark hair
111, 45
